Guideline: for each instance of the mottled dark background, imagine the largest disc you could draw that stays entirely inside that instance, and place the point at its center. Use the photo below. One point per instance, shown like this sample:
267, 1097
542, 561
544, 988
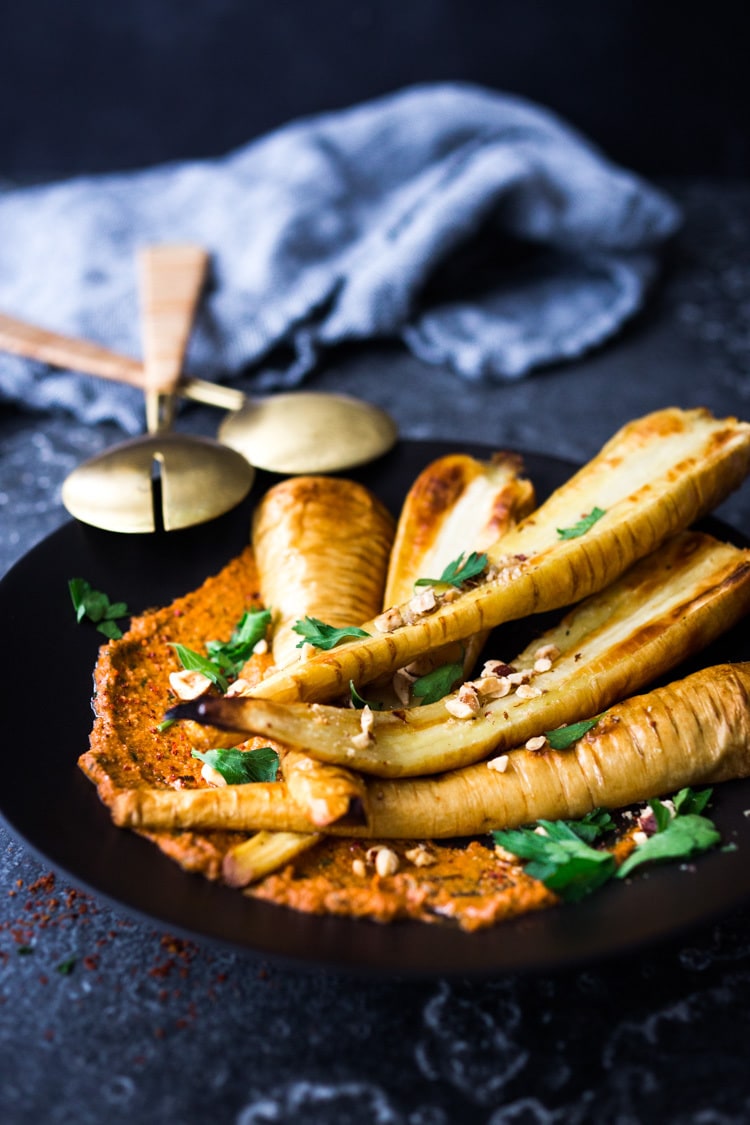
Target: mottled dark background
88, 85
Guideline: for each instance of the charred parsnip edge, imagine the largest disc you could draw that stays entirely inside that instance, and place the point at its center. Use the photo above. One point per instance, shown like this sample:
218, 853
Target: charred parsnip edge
661, 611
457, 505
695, 731
651, 480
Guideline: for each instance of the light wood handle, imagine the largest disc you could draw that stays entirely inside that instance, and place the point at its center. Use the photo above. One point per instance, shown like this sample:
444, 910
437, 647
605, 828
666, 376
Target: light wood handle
32, 342
171, 280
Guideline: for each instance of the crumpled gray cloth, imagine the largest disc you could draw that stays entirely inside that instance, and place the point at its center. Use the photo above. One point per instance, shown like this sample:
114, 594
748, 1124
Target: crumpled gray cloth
478, 228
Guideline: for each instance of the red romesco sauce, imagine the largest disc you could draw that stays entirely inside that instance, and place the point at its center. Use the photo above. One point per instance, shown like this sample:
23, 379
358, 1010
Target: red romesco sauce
468, 884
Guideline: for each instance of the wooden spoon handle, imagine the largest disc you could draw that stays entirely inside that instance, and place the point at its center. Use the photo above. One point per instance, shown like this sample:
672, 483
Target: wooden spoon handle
171, 280
28, 340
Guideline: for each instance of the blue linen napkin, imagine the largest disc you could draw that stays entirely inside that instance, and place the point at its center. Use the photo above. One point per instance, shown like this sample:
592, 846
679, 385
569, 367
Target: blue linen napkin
480, 229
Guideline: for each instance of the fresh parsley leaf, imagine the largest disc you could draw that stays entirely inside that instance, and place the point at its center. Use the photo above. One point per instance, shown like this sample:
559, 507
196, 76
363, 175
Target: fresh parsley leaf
685, 835
24, 950
561, 860
582, 526
194, 662
65, 968
688, 801
109, 629
232, 654
358, 702
436, 684
317, 633
96, 605
241, 767
564, 737
458, 571
593, 825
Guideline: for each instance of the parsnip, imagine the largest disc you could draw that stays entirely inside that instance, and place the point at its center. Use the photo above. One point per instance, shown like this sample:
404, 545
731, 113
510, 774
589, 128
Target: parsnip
652, 479
263, 853
455, 506
662, 610
321, 547
692, 732
327, 792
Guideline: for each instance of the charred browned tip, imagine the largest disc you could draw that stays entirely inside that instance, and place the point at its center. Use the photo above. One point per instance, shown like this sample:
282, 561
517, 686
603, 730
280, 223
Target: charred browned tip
189, 710
204, 711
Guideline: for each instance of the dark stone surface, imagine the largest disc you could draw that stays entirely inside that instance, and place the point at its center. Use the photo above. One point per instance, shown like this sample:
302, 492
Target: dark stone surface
149, 1029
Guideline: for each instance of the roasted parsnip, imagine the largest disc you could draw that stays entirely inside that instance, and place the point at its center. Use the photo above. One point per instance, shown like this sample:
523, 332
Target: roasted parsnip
263, 853
662, 610
692, 732
651, 480
455, 506
327, 792
321, 547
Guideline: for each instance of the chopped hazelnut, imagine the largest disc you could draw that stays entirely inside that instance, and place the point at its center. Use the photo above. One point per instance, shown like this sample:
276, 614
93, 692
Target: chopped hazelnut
386, 862
367, 720
521, 677
423, 603
189, 684
526, 691
537, 743
500, 764
639, 838
360, 742
358, 868
542, 664
459, 710
547, 652
497, 668
421, 856
261, 647
466, 705
492, 687
389, 620
212, 776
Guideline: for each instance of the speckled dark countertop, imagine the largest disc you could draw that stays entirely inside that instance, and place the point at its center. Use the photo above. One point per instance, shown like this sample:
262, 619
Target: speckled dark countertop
147, 1028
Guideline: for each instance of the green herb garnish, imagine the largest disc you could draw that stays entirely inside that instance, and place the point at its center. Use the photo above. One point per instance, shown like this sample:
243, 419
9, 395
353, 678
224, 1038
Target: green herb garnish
562, 859
683, 836
66, 967
241, 767
232, 654
194, 662
563, 737
437, 684
458, 571
24, 950
359, 703
317, 633
165, 724
96, 605
582, 526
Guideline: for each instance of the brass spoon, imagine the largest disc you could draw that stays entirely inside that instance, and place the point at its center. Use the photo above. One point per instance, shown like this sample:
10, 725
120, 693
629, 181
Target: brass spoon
308, 432
294, 432
200, 479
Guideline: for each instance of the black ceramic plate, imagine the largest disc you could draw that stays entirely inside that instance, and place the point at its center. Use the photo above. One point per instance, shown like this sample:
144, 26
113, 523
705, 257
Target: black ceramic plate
47, 660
